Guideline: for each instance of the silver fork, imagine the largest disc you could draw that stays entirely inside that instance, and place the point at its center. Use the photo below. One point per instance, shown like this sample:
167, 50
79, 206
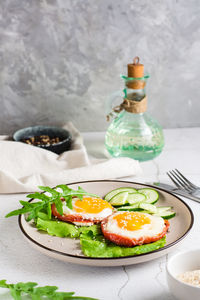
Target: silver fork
183, 183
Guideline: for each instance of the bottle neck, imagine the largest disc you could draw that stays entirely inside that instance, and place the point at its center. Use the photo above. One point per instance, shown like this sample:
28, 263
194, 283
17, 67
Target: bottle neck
135, 89
134, 94
135, 100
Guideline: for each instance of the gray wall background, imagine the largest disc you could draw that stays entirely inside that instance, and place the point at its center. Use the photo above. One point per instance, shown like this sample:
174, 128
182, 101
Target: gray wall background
61, 59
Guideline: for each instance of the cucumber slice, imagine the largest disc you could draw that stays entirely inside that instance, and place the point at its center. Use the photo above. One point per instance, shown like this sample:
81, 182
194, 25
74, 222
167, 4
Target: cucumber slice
119, 199
168, 214
150, 208
163, 211
126, 197
164, 208
135, 198
112, 193
152, 195
134, 207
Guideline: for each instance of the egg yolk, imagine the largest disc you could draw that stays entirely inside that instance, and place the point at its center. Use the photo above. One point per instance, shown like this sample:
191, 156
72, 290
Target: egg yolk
91, 205
131, 220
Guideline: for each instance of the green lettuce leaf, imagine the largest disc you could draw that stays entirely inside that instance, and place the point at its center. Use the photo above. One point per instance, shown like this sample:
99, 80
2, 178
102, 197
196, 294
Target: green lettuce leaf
57, 228
63, 229
97, 246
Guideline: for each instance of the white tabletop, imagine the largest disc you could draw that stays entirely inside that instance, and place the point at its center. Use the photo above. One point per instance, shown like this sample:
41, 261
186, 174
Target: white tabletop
20, 262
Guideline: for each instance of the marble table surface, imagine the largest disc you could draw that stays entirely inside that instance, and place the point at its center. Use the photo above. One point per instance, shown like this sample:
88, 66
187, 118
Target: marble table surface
20, 262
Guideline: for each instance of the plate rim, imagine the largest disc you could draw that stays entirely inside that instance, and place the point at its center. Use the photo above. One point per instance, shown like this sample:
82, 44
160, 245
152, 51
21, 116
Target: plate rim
113, 258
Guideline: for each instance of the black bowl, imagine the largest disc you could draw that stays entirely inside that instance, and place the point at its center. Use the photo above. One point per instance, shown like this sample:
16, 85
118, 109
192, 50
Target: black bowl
60, 147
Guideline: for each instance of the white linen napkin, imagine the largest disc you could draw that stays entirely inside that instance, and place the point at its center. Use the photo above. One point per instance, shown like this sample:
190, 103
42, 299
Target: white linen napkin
23, 167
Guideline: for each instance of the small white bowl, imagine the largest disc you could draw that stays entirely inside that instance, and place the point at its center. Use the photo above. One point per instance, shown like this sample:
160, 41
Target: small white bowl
178, 264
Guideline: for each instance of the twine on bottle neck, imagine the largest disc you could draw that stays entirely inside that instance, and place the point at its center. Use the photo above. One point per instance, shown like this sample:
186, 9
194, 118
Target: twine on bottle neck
131, 106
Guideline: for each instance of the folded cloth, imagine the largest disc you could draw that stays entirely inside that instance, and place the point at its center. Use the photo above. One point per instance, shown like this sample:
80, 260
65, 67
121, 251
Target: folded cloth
24, 167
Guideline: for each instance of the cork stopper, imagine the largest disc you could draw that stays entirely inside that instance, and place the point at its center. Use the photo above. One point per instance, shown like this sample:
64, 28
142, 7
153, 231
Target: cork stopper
135, 70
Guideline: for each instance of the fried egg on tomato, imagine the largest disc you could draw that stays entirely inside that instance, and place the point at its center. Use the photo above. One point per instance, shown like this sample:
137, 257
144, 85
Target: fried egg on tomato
133, 228
84, 212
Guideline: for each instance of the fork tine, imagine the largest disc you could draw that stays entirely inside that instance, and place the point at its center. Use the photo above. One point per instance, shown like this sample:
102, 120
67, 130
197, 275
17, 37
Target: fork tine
172, 179
177, 179
180, 182
184, 184
188, 181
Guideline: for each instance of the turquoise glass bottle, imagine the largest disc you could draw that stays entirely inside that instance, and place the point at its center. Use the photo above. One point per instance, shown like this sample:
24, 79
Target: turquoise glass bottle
133, 132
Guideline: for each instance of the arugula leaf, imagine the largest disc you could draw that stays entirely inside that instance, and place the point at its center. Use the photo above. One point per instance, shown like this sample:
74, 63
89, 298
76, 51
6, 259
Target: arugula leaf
53, 192
25, 287
40, 196
76, 193
81, 191
69, 201
27, 204
15, 293
45, 201
39, 293
59, 205
3, 283
45, 290
64, 295
17, 212
64, 188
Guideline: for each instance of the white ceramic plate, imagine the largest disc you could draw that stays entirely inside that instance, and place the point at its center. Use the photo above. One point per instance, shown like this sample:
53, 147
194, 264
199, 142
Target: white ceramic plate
68, 250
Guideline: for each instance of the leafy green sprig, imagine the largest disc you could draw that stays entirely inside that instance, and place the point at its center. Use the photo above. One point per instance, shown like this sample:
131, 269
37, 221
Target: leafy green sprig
31, 289
45, 201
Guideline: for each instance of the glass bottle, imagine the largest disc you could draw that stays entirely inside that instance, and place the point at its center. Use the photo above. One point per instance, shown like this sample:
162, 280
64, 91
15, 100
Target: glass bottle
133, 132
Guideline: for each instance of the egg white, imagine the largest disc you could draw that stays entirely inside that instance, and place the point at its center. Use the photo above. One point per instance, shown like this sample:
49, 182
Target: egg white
88, 216
155, 227
83, 223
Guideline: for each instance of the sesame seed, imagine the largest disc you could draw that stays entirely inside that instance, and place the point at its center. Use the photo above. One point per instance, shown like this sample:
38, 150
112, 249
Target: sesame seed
190, 277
